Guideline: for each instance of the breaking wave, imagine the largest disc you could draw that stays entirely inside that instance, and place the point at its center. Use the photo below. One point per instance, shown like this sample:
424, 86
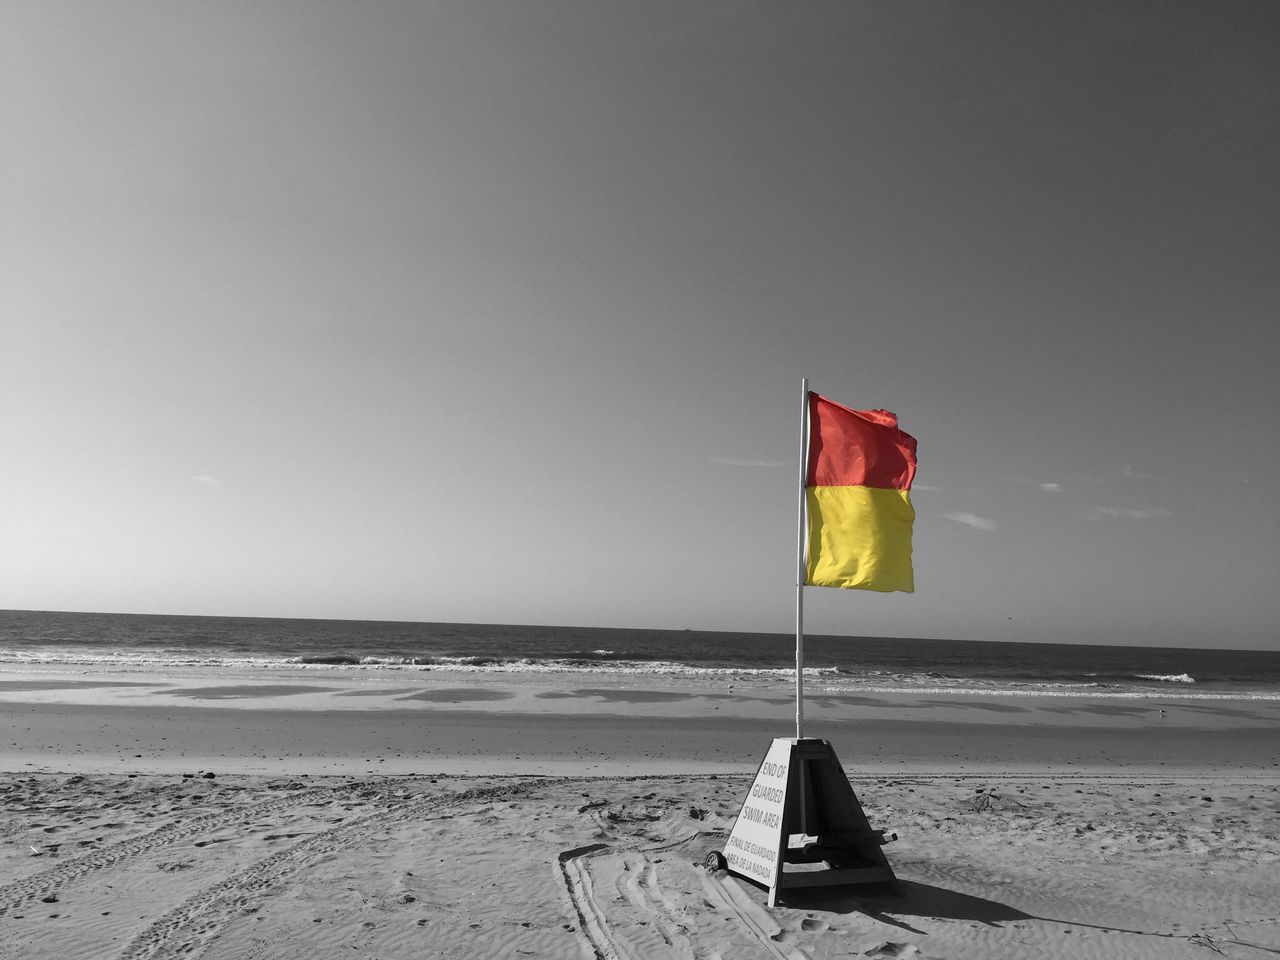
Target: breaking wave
823, 680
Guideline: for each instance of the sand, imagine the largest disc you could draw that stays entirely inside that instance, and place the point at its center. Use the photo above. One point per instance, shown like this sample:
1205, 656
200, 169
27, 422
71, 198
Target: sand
313, 814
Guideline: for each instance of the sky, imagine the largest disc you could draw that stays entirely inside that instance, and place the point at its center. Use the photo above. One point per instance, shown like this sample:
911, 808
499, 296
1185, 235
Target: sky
499, 312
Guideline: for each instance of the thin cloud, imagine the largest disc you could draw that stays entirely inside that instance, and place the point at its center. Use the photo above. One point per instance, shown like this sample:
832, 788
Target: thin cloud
1039, 484
1126, 513
207, 481
1131, 474
924, 486
971, 520
736, 462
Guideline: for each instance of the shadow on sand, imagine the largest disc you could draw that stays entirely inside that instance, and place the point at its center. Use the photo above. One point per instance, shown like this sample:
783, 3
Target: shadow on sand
927, 901
917, 900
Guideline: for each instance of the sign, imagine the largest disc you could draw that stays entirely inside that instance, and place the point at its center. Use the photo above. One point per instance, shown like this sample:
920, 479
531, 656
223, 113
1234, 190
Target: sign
756, 843
801, 825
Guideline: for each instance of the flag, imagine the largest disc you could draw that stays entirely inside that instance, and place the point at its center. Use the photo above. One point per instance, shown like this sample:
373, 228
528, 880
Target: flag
857, 484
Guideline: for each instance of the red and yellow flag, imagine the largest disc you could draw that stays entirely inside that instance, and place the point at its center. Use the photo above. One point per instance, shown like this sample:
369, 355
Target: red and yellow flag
857, 485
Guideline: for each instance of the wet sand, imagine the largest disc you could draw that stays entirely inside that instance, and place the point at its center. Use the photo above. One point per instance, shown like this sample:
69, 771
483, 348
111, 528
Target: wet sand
487, 723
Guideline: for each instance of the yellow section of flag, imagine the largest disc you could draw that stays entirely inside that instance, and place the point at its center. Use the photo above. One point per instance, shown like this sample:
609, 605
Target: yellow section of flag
860, 538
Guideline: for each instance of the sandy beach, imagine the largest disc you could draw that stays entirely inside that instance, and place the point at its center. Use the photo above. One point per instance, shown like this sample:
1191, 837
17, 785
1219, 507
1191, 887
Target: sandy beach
324, 814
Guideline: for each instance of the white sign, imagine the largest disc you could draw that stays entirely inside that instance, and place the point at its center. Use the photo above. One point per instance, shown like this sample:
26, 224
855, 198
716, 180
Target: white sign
755, 845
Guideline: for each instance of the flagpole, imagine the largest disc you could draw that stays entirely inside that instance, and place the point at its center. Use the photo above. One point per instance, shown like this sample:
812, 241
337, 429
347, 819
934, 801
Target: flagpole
800, 565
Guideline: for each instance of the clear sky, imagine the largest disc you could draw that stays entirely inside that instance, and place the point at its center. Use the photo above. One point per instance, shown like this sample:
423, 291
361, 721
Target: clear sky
498, 311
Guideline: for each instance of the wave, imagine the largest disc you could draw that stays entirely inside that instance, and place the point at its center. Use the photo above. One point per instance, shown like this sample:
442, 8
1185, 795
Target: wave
820, 680
1006, 691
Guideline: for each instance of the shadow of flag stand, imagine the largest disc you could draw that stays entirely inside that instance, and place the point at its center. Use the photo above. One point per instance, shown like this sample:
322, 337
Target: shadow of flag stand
801, 824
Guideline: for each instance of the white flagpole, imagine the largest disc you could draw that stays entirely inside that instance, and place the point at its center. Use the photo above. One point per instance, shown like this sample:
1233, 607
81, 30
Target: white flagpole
800, 564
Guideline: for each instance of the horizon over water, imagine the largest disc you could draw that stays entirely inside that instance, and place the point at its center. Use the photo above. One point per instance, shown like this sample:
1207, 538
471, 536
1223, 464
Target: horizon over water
115, 640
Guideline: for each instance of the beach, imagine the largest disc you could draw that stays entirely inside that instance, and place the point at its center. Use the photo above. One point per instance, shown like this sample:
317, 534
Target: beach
321, 813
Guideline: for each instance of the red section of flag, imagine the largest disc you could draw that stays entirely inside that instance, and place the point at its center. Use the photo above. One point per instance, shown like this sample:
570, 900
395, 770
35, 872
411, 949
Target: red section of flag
857, 448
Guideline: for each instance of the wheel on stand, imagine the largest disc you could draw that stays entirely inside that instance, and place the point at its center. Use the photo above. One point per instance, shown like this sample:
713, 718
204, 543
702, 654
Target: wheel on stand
715, 861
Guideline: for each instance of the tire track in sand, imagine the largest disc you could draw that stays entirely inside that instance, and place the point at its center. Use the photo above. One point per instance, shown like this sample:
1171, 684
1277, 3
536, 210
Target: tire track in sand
591, 919
723, 891
186, 930
50, 883
657, 929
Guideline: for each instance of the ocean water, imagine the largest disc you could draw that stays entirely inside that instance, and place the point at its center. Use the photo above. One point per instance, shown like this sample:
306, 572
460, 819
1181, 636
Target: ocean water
832, 663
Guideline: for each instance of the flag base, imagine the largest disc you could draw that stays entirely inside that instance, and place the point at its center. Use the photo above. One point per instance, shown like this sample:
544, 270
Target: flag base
801, 825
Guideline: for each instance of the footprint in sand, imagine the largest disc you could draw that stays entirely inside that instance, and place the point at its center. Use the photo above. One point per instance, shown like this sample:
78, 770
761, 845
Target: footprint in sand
891, 949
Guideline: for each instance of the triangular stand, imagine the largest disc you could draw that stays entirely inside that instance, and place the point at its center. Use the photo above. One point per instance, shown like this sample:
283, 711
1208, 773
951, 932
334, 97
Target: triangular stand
802, 826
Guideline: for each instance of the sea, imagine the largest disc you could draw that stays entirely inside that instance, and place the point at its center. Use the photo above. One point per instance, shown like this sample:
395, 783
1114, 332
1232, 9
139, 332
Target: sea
833, 664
